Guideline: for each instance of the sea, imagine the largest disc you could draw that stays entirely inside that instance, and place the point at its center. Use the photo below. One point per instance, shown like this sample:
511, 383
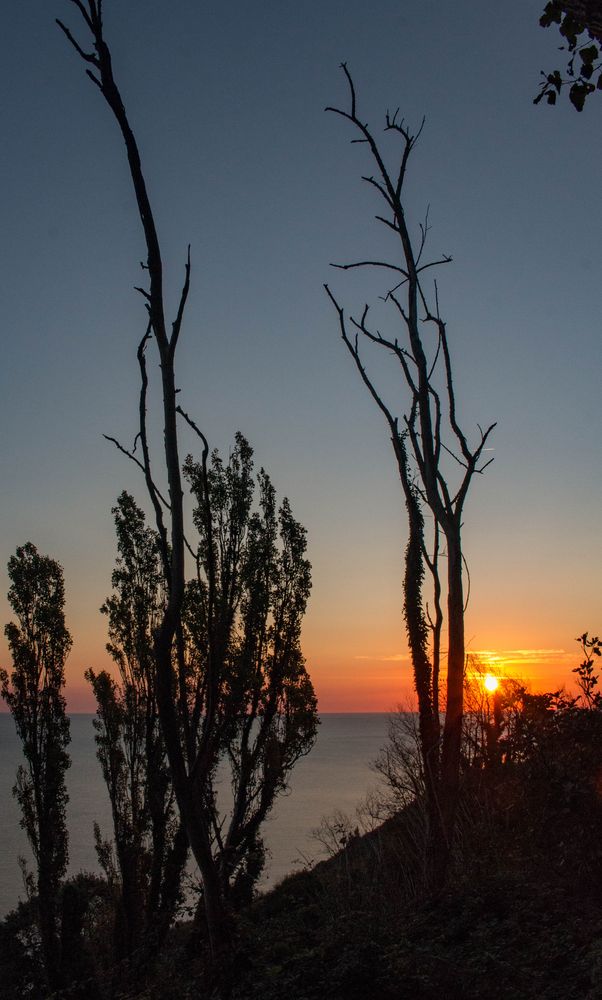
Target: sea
334, 778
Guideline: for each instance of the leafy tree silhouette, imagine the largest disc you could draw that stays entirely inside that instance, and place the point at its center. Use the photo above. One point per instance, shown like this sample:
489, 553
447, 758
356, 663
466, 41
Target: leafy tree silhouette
145, 861
39, 643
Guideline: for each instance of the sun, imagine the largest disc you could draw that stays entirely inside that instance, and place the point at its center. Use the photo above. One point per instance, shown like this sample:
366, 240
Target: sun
490, 682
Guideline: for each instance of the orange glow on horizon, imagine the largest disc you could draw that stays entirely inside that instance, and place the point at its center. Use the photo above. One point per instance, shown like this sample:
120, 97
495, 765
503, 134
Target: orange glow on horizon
381, 683
361, 670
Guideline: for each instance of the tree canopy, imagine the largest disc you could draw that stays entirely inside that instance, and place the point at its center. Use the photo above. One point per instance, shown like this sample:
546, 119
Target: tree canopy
39, 642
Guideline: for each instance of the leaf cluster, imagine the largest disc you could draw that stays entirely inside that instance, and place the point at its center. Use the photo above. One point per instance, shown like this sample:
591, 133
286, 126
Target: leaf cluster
587, 678
580, 24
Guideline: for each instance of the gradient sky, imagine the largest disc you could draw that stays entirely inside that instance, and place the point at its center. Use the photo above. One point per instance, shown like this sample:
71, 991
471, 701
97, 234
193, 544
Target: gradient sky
227, 103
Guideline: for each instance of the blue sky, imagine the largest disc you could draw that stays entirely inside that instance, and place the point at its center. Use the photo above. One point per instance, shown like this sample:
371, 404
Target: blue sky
227, 102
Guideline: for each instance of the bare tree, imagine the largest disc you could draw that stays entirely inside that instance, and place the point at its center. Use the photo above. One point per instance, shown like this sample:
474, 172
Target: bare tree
429, 446
196, 722
169, 514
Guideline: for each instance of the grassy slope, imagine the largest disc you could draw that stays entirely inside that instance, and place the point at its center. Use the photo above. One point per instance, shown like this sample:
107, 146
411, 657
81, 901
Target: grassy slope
521, 917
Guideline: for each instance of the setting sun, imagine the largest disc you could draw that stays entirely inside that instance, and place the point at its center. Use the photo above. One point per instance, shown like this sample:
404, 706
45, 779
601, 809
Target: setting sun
491, 683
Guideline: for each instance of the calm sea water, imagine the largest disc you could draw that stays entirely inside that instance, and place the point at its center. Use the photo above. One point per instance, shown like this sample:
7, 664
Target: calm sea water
335, 776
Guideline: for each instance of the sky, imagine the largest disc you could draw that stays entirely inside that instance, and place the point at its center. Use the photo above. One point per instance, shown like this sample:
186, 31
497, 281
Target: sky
227, 103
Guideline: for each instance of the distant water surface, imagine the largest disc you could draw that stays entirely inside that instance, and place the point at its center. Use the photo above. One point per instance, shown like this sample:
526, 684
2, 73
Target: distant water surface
335, 776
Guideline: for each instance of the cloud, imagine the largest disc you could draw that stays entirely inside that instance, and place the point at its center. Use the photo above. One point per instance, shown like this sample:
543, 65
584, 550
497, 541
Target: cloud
538, 652
522, 656
395, 658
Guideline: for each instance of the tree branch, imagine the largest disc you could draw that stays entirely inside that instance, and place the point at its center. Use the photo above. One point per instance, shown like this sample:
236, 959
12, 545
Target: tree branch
182, 305
196, 429
371, 263
87, 56
353, 350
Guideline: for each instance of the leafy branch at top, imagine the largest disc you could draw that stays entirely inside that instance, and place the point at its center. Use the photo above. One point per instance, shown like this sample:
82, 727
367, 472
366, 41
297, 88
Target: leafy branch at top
580, 24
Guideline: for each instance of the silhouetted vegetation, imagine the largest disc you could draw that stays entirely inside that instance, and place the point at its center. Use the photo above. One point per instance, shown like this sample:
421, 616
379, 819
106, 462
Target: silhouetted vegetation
39, 644
580, 25
518, 918
187, 774
227, 673
246, 710
476, 872
145, 861
248, 697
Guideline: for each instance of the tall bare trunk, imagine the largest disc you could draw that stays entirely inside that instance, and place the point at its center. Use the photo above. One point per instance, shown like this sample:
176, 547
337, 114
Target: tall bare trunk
452, 730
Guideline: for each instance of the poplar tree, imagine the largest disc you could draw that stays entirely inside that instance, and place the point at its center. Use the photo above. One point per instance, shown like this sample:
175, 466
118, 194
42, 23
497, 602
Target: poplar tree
145, 858
39, 643
248, 701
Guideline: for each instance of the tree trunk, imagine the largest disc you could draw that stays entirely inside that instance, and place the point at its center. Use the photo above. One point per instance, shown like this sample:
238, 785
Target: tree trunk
48, 928
191, 810
452, 730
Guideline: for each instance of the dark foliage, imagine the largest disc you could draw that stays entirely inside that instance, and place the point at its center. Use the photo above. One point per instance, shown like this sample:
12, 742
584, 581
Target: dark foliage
145, 861
39, 643
86, 907
248, 698
587, 678
580, 25
245, 700
519, 919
